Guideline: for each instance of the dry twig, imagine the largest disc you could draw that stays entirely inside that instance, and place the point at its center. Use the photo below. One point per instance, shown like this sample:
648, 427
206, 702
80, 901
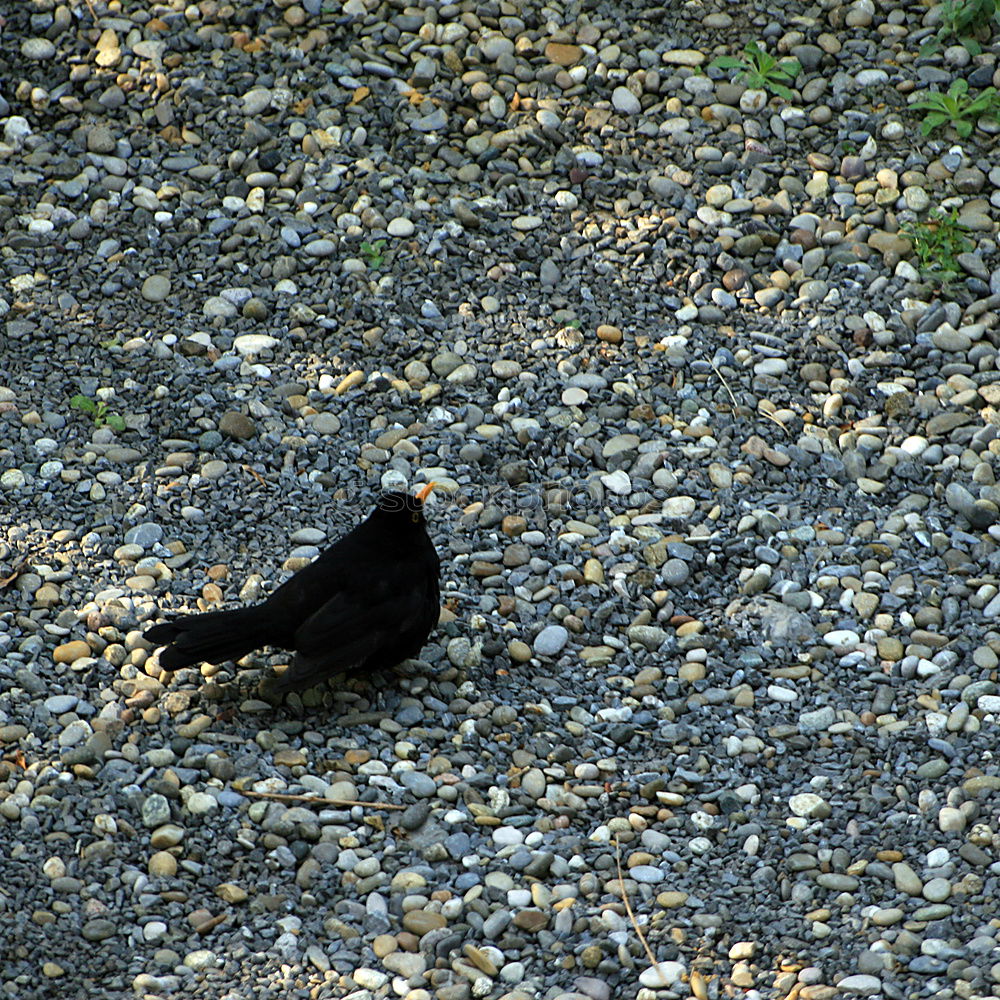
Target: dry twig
628, 905
722, 379
253, 472
775, 418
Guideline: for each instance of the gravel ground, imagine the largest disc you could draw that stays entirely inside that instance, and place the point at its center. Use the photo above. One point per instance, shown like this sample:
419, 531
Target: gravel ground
719, 524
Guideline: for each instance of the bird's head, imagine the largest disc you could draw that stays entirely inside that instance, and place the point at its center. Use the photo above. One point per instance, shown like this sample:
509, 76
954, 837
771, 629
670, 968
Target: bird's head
400, 509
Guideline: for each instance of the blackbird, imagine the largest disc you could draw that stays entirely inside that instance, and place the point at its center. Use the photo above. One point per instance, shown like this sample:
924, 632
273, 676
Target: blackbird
366, 603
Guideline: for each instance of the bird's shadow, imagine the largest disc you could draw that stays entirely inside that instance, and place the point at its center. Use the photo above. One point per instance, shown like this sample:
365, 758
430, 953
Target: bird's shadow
377, 694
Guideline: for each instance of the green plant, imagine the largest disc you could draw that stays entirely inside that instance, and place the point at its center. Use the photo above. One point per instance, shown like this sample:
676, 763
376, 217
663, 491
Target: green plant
373, 253
937, 242
968, 21
761, 71
98, 411
956, 108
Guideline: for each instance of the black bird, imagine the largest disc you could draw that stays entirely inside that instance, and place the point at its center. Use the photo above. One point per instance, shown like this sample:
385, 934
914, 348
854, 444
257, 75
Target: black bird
366, 603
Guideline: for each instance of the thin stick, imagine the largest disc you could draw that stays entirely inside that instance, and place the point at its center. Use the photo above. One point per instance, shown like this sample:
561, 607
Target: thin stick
628, 909
319, 800
778, 421
722, 379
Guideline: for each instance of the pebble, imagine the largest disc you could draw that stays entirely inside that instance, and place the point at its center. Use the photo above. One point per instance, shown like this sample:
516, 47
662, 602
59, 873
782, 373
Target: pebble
663, 974
401, 227
156, 288
860, 985
625, 101
551, 640
37, 48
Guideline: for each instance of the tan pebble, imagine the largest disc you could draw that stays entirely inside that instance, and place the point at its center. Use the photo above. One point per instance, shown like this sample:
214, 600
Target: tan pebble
520, 652
563, 54
68, 652
407, 880
407, 941
231, 893
593, 571
349, 382
197, 918
421, 922
220, 571
531, 920
699, 985
162, 864
691, 671
194, 728
671, 900
481, 960
513, 525
690, 628
168, 835
47, 596
384, 944
211, 593
609, 334
506, 606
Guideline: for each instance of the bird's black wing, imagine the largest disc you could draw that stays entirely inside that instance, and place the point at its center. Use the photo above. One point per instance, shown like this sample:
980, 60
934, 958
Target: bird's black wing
350, 631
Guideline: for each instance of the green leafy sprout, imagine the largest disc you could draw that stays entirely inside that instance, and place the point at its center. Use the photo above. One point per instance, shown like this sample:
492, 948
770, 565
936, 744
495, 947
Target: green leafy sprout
967, 21
937, 242
98, 411
761, 71
373, 254
957, 108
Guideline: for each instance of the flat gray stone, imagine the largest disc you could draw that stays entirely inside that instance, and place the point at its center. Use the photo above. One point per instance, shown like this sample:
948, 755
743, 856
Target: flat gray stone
551, 640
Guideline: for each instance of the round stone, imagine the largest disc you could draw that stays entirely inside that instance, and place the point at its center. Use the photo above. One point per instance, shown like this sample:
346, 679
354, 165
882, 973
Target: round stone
70, 652
400, 227
551, 640
156, 287
162, 864
37, 48
625, 101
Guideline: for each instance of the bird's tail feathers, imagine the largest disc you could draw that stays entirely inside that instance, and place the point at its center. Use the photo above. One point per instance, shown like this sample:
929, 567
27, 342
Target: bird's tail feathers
214, 637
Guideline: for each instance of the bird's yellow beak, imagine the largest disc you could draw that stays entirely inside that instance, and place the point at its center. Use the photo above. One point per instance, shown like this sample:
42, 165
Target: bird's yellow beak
425, 492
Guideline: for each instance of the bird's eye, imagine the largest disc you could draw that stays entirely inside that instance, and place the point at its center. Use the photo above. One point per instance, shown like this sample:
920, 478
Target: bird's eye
415, 517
